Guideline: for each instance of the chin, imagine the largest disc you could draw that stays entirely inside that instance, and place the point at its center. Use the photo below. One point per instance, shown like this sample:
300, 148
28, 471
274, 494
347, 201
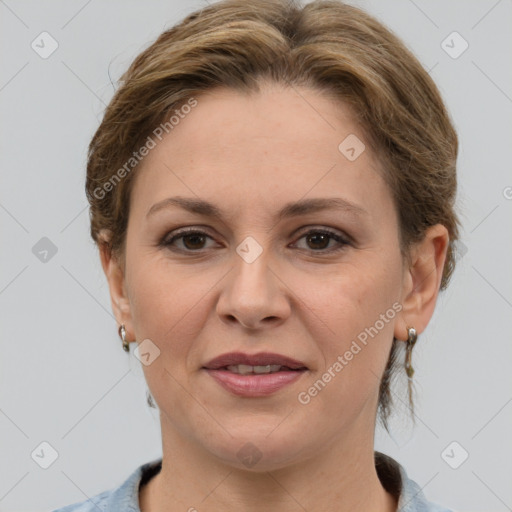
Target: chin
256, 450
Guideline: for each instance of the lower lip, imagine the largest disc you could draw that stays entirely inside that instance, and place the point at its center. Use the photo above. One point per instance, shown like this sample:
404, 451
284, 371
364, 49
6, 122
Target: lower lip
254, 385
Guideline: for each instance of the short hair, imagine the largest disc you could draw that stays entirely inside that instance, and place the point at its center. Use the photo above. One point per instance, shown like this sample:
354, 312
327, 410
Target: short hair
327, 45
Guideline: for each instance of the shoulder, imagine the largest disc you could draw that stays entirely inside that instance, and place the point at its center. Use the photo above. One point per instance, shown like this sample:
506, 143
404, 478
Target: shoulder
395, 480
413, 499
96, 503
124, 498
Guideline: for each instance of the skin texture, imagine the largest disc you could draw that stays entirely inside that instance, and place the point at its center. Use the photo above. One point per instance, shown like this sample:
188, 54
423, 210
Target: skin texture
251, 154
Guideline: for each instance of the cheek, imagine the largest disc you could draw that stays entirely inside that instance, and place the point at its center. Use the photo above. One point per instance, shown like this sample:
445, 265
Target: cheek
357, 307
158, 298
170, 306
353, 298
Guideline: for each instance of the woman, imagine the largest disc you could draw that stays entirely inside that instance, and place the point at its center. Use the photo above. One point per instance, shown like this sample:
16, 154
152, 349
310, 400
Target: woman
271, 192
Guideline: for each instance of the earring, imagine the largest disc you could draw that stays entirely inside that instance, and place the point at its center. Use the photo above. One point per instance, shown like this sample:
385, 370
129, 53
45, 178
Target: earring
122, 335
412, 336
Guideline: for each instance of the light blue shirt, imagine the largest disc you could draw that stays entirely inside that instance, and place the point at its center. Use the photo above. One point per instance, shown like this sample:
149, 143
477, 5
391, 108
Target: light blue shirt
125, 498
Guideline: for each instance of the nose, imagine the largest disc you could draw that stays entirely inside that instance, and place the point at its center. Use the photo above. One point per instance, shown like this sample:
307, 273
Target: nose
254, 295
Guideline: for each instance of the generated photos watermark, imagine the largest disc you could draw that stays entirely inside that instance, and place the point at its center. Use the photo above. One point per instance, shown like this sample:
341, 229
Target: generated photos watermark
304, 397
158, 133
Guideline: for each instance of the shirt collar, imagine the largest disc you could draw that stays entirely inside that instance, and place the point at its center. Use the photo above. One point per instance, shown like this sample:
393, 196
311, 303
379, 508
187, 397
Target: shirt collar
391, 474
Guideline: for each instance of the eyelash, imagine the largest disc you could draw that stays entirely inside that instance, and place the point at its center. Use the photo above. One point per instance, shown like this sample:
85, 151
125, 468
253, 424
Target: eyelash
188, 232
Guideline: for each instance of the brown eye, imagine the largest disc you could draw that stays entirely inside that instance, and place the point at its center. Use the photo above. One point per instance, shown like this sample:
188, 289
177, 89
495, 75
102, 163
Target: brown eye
192, 240
318, 241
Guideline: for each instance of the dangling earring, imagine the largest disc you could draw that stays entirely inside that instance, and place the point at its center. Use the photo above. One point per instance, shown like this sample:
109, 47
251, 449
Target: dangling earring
412, 336
122, 335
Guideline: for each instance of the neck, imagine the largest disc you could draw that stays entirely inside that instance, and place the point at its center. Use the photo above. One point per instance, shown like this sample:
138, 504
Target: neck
341, 478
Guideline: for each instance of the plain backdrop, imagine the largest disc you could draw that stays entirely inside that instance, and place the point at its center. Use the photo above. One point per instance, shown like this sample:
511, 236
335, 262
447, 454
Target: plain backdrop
68, 390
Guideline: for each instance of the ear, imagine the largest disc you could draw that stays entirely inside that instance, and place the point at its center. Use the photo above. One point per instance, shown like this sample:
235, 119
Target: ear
422, 281
115, 274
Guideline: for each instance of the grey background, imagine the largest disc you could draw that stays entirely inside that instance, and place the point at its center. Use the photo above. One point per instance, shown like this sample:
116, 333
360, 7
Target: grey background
64, 378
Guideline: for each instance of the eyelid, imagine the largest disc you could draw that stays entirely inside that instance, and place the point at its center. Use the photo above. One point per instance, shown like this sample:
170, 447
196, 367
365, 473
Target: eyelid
324, 228
302, 230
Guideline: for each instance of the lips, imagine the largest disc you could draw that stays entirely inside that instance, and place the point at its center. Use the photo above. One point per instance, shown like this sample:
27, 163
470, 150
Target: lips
261, 359
256, 375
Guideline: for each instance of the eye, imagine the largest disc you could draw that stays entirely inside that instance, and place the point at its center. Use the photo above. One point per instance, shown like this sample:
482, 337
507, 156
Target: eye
319, 240
192, 240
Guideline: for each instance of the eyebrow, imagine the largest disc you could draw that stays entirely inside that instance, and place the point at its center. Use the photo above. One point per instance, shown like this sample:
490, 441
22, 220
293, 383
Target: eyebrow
294, 209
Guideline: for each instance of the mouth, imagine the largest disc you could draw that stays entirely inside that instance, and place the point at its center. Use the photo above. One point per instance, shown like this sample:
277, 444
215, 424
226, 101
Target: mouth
255, 375
264, 362
246, 369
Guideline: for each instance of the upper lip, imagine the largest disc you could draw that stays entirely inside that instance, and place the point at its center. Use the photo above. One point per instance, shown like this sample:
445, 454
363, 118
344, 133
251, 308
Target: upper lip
260, 359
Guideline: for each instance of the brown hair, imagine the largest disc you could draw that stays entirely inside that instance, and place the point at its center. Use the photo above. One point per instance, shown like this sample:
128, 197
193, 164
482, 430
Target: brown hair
326, 45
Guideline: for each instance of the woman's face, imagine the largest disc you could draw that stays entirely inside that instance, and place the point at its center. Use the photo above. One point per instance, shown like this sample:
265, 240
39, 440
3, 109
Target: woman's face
255, 282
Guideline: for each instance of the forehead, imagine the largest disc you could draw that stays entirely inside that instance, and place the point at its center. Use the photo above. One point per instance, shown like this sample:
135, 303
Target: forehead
269, 147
